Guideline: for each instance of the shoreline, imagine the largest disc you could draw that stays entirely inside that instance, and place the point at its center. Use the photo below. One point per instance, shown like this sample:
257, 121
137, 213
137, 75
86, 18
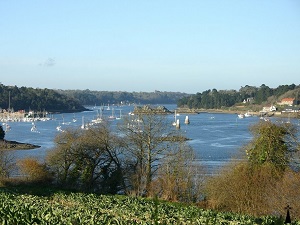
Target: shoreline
14, 145
253, 113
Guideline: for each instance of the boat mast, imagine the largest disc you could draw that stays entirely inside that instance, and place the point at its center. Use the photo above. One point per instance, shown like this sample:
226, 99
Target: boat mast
8, 101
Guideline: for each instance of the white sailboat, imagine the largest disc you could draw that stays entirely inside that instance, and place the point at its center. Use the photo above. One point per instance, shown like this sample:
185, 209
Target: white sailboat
7, 127
177, 124
175, 119
98, 119
118, 118
58, 128
241, 116
34, 128
74, 119
112, 114
83, 125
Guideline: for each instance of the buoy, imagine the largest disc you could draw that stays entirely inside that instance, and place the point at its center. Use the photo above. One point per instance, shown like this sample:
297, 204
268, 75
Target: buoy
187, 121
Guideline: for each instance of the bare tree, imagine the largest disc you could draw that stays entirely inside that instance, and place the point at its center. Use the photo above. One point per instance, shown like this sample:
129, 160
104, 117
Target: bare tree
7, 164
87, 159
148, 140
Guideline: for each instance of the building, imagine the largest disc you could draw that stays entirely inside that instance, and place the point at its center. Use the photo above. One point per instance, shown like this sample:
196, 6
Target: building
287, 101
248, 100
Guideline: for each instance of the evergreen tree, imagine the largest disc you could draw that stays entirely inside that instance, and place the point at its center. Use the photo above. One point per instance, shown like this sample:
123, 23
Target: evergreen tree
272, 144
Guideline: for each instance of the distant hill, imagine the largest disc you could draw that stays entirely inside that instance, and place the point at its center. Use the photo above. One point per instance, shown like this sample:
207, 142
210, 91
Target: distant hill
25, 98
246, 96
88, 97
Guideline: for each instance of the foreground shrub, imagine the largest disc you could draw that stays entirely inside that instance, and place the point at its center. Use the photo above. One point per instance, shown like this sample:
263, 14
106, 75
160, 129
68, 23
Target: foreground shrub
252, 190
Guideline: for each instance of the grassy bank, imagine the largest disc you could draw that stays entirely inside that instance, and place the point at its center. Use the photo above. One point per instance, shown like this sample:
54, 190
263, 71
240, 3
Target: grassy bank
57, 207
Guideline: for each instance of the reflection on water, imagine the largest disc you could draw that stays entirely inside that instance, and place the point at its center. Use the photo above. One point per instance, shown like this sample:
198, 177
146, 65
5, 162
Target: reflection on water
216, 138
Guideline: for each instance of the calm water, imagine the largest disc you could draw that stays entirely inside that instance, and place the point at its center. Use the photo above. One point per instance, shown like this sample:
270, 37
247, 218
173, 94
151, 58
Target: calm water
216, 138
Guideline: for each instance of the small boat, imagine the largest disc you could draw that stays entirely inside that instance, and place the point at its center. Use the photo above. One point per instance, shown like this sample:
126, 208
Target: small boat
34, 128
58, 128
247, 114
7, 127
241, 116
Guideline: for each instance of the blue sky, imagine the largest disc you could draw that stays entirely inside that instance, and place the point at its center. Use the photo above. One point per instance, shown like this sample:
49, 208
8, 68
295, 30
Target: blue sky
141, 45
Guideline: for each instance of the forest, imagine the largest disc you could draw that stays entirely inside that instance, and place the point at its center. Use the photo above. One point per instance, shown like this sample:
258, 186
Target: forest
88, 97
214, 99
27, 98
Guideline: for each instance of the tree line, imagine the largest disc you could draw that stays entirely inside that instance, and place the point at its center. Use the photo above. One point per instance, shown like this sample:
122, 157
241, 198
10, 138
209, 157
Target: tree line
24, 98
89, 97
214, 99
36, 99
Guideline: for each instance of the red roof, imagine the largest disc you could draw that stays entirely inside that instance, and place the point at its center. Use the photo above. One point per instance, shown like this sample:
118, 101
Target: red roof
287, 99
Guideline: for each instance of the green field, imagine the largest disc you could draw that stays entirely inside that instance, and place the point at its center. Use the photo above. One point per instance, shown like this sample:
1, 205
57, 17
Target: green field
79, 208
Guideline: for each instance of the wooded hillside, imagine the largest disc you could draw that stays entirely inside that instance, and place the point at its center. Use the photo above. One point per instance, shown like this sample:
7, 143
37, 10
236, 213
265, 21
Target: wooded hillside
25, 98
214, 99
88, 97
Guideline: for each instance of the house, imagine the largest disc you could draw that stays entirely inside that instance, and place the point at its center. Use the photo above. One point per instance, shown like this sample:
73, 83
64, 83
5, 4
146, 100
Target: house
287, 101
248, 100
273, 108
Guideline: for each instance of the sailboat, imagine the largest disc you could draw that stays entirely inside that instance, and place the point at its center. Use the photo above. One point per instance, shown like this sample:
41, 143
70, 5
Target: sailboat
112, 114
34, 128
74, 119
118, 118
7, 127
177, 124
175, 119
63, 119
58, 128
98, 119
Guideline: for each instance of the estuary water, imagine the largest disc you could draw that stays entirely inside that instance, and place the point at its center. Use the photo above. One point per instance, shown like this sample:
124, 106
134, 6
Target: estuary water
215, 137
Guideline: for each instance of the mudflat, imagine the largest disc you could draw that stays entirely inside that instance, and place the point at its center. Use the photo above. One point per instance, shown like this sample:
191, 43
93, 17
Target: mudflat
14, 145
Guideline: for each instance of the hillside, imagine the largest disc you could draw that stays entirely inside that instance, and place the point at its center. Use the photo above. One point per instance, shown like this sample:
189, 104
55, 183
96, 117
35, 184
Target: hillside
250, 96
88, 97
24, 98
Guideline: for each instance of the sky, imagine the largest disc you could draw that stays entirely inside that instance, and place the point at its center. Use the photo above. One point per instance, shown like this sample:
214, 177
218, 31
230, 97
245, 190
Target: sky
140, 45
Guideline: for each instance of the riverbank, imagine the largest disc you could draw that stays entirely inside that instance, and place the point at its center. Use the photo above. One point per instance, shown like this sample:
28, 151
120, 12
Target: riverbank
14, 145
229, 111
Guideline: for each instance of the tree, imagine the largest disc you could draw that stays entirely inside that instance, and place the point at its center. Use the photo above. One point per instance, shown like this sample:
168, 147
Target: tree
272, 143
2, 133
62, 159
7, 164
245, 186
147, 140
178, 178
87, 159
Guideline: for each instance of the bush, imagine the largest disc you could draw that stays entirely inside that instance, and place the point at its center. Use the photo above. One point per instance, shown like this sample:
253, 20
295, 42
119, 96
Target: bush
33, 170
